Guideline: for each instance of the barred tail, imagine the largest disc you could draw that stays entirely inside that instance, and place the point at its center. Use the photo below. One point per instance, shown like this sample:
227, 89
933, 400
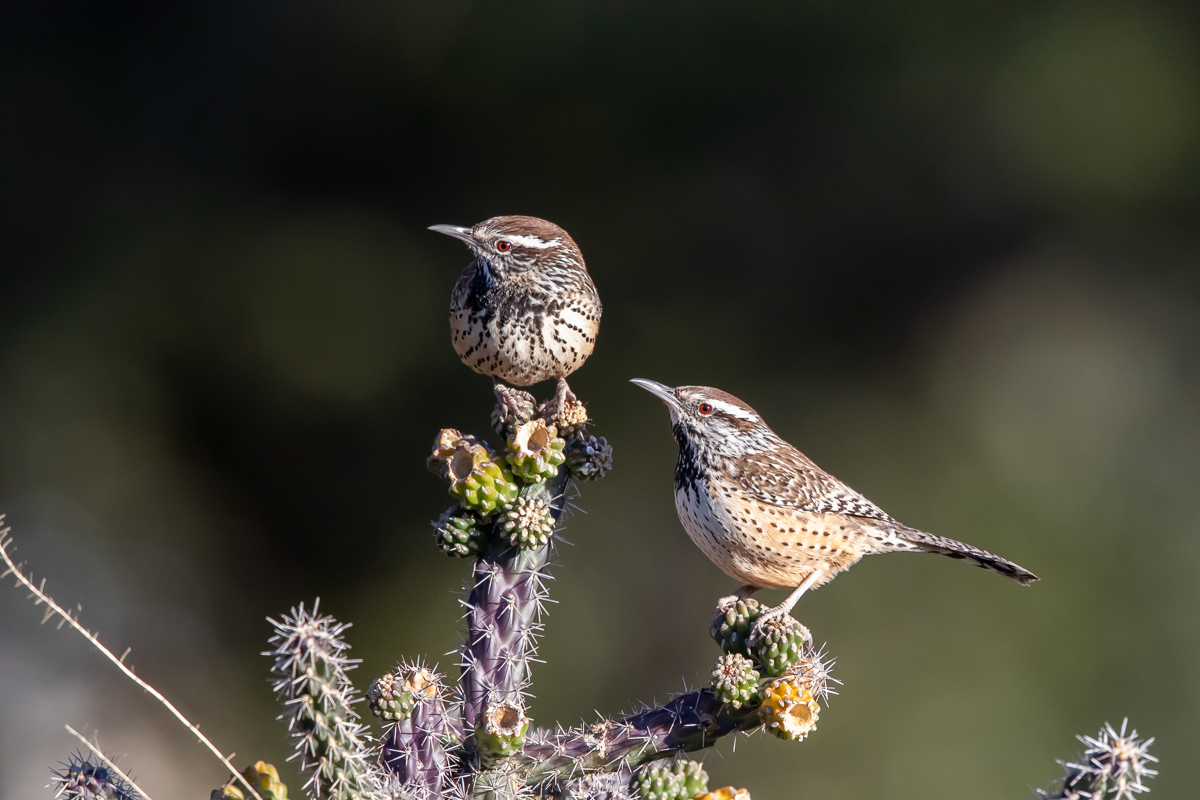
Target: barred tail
955, 549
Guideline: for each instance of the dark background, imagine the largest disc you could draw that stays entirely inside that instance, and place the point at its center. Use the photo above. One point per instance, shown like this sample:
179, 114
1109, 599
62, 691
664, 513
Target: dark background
947, 249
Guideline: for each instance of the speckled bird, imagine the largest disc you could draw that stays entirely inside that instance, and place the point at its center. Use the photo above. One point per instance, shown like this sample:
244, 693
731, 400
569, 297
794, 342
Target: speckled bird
768, 516
525, 310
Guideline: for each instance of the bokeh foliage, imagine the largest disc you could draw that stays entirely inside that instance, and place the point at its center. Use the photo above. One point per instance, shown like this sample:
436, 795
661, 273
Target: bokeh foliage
949, 250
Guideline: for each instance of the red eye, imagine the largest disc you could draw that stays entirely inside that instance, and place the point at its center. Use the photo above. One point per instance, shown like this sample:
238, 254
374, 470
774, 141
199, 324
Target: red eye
705, 409
503, 247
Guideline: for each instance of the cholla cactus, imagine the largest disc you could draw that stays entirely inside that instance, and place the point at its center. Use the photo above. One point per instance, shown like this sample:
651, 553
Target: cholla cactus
526, 522
589, 457
263, 777
459, 533
81, 779
1113, 767
680, 780
789, 708
476, 481
416, 749
310, 667
733, 622
776, 644
535, 452
735, 680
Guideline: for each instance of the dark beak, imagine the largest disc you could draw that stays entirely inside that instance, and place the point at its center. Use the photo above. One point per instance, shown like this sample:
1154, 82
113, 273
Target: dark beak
456, 231
664, 393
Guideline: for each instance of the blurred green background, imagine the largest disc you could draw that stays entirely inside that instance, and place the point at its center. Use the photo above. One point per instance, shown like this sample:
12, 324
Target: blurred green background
948, 249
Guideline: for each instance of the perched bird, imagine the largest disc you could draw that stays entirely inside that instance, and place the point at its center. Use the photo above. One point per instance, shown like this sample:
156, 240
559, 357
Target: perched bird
768, 516
525, 310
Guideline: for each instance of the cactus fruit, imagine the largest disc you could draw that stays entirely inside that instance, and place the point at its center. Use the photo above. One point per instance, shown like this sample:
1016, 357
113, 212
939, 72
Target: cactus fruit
388, 700
535, 451
789, 709
263, 777
776, 644
589, 457
526, 522
517, 408
735, 680
569, 418
724, 793
732, 624
477, 482
458, 533
679, 780
500, 731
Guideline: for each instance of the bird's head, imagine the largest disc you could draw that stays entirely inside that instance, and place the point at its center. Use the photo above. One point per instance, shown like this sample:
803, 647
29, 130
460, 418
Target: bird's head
713, 421
514, 244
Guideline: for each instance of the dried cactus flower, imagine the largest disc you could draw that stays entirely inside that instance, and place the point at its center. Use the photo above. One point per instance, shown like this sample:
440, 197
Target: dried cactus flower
679, 780
501, 731
477, 482
526, 522
535, 451
387, 699
724, 793
570, 418
589, 457
733, 622
263, 777
777, 643
518, 408
443, 448
735, 680
457, 533
789, 709
80, 779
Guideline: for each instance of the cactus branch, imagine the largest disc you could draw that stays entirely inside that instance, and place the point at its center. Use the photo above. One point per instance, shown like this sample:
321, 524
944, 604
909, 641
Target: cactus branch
1113, 767
54, 609
107, 761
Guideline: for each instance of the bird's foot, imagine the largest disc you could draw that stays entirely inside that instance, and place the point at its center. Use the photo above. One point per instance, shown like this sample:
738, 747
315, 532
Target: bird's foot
784, 609
774, 618
513, 407
564, 411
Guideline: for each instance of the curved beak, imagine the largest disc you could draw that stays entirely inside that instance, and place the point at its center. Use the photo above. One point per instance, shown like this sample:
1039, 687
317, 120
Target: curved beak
456, 231
664, 393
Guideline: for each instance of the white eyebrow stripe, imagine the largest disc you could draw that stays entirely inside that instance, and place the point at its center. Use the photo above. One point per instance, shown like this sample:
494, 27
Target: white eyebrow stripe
733, 411
535, 242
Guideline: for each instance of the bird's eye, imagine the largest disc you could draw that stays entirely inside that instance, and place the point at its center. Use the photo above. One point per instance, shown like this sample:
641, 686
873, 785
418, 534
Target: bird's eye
503, 246
706, 409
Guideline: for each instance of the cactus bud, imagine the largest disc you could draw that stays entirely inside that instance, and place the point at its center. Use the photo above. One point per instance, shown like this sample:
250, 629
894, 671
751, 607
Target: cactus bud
735, 680
457, 533
387, 699
500, 731
732, 623
535, 451
789, 709
679, 780
724, 793
776, 644
526, 522
569, 418
263, 777
589, 457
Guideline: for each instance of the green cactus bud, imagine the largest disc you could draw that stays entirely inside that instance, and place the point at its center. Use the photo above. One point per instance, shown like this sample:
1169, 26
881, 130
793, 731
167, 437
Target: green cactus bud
500, 731
679, 780
265, 780
477, 482
388, 700
526, 522
724, 793
458, 533
535, 452
776, 644
733, 622
789, 709
517, 408
589, 457
735, 680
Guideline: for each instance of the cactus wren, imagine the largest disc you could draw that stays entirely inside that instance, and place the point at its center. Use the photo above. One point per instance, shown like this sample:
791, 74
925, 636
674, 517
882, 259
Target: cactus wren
525, 310
767, 515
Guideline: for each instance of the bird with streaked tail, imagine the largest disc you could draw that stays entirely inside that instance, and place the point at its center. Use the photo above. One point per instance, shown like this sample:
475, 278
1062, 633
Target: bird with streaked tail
769, 517
525, 309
